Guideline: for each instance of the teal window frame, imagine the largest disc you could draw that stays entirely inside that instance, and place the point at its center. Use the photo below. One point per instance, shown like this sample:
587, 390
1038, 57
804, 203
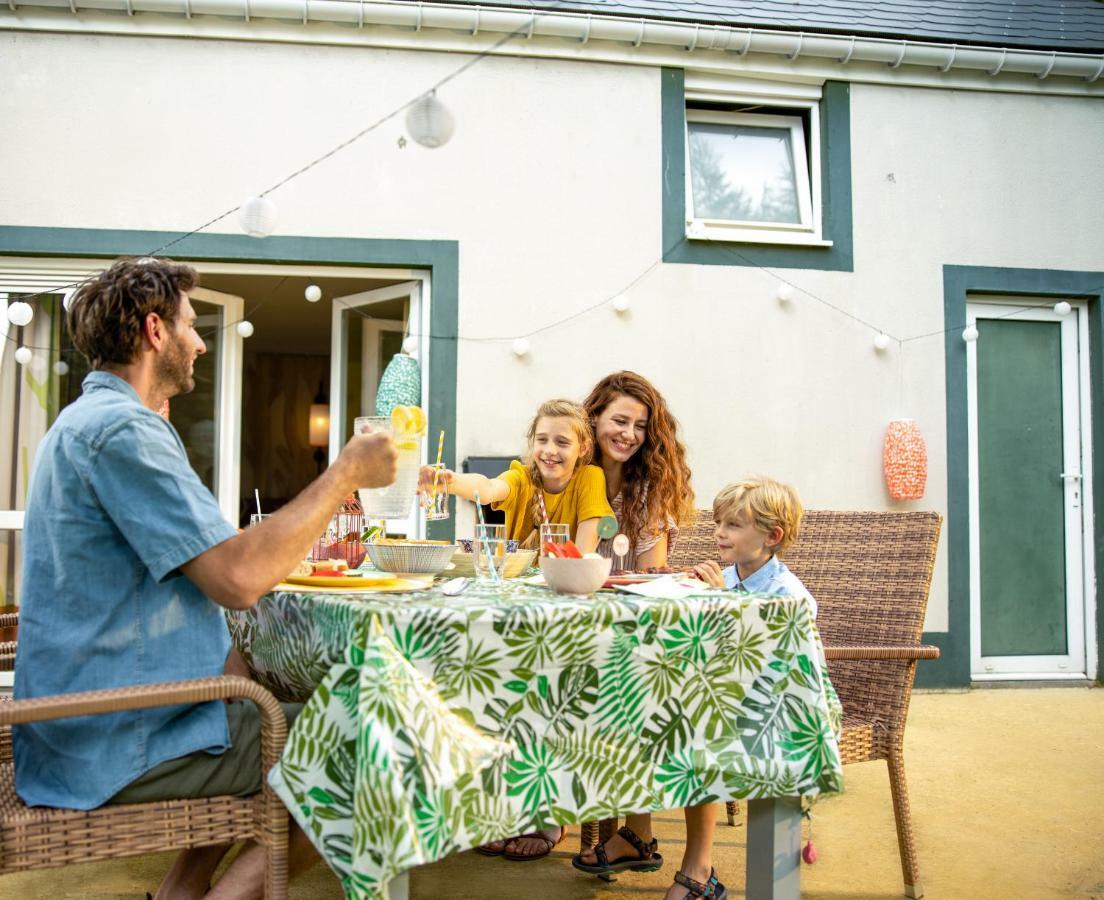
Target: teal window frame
835, 169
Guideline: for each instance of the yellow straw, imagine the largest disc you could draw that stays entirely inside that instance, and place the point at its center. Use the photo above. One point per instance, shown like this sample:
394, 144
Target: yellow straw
437, 468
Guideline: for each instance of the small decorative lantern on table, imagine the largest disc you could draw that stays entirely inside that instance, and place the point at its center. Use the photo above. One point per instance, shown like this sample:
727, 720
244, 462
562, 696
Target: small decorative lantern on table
342, 539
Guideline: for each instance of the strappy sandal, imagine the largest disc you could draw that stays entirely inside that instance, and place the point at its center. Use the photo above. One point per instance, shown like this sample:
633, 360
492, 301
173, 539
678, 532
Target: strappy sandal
711, 890
536, 836
646, 860
488, 850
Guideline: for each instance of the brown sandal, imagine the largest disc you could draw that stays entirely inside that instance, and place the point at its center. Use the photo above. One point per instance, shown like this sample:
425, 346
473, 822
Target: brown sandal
488, 850
711, 890
646, 860
537, 836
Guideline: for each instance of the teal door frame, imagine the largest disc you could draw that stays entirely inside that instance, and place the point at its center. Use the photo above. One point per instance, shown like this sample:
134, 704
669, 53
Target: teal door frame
441, 258
953, 668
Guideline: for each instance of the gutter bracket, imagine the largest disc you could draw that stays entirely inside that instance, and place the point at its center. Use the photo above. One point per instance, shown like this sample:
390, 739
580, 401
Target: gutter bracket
1000, 65
1099, 71
950, 62
640, 37
797, 50
586, 34
360, 14
532, 23
747, 44
694, 43
846, 58
247, 10
418, 23
1050, 65
306, 10
187, 7
900, 56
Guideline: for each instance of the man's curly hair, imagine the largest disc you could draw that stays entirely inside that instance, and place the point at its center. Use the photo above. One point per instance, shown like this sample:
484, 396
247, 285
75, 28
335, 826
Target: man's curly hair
106, 313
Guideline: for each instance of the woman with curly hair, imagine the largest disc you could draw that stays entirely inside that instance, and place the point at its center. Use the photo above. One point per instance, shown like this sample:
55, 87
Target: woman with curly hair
647, 479
648, 485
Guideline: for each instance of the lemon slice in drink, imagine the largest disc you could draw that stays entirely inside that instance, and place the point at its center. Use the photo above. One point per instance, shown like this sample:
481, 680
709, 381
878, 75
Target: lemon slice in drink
408, 422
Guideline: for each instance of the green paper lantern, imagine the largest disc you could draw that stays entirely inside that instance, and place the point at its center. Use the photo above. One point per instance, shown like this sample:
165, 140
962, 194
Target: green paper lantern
401, 384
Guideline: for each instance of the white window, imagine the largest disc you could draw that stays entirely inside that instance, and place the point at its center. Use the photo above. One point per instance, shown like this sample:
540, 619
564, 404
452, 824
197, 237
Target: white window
753, 164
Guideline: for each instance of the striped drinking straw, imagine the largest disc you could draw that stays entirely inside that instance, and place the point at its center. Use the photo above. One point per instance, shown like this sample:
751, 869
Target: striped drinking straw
437, 467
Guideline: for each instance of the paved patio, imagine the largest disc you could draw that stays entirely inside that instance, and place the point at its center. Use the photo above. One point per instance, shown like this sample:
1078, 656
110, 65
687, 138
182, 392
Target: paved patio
1005, 786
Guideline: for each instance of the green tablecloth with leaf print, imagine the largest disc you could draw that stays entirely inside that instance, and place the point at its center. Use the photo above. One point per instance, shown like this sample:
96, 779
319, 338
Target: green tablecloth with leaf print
434, 723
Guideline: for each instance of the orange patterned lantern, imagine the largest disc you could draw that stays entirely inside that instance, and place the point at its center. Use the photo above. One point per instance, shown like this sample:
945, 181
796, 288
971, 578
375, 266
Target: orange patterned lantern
905, 460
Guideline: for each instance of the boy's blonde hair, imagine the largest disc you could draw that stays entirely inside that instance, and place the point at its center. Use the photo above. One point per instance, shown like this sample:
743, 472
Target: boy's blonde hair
766, 503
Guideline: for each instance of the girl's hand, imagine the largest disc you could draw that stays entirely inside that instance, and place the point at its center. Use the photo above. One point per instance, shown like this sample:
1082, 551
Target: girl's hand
709, 572
425, 479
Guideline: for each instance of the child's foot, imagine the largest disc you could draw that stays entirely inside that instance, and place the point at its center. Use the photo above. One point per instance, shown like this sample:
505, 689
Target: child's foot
625, 851
694, 882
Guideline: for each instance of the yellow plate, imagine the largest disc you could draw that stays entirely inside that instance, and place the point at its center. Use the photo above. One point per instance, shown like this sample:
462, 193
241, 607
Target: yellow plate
349, 581
394, 586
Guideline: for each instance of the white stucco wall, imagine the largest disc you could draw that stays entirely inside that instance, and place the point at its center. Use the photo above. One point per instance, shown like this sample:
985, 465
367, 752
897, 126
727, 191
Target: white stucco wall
551, 186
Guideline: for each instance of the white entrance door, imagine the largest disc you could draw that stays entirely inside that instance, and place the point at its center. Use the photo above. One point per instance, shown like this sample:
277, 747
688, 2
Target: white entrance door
361, 347
209, 418
1031, 579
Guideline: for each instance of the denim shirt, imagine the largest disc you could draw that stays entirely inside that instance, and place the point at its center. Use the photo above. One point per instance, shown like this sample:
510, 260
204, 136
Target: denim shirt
773, 579
113, 511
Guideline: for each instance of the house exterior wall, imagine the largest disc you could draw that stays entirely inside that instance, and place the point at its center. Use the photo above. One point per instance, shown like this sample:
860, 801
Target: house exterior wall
551, 187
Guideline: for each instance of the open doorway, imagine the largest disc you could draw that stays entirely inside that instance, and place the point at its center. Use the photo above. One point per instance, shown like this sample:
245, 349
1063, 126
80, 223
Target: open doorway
287, 368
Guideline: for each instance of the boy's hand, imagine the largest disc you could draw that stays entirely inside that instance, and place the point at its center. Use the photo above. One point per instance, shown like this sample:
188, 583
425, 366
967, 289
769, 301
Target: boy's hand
709, 572
425, 479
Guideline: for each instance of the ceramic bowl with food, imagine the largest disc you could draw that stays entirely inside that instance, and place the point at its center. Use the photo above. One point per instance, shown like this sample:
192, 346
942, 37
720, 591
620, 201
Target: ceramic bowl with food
575, 576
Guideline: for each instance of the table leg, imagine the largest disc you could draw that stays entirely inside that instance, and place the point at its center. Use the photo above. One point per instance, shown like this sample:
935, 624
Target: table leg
774, 849
398, 888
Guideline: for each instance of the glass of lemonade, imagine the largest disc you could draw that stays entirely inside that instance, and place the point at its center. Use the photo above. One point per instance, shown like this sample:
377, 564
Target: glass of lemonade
396, 500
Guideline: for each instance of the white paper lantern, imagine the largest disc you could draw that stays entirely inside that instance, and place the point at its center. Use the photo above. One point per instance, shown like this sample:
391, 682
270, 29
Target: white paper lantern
1061, 308
258, 217
429, 121
521, 347
784, 293
20, 313
61, 367
313, 293
23, 355
970, 334
881, 342
621, 303
245, 328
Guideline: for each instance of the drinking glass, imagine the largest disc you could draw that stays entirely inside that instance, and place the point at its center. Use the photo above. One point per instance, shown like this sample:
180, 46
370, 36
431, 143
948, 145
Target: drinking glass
553, 533
396, 500
489, 550
435, 501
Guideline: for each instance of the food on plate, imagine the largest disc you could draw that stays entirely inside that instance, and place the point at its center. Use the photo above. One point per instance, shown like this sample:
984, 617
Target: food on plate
303, 568
325, 566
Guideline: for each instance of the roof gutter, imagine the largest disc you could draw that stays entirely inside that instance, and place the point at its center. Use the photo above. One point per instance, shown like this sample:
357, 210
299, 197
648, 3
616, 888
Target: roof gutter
584, 28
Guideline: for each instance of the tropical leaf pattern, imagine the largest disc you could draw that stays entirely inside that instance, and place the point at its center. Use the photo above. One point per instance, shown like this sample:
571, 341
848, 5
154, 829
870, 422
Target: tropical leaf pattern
435, 724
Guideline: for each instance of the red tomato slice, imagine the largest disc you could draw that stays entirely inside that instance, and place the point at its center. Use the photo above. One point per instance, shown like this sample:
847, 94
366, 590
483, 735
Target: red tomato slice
570, 551
327, 573
553, 549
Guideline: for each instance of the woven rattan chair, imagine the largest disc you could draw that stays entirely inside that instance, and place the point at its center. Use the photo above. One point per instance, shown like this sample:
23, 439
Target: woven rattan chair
870, 573
45, 838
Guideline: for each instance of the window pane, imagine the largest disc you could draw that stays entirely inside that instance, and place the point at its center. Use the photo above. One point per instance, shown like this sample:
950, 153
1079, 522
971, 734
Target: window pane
743, 173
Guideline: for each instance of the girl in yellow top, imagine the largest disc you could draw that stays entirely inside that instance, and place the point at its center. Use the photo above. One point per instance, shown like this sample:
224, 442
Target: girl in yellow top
557, 470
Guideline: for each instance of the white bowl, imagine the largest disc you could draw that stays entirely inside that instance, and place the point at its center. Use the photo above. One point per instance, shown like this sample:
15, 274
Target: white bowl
575, 576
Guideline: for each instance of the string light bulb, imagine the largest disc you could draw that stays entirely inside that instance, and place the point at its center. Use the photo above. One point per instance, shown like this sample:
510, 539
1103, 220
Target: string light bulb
970, 334
61, 367
313, 293
20, 313
245, 328
1062, 308
881, 342
521, 347
410, 345
258, 217
621, 303
784, 293
429, 121
23, 355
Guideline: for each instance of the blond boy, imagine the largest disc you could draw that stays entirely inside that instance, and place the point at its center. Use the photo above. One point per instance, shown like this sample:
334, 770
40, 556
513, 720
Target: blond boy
756, 519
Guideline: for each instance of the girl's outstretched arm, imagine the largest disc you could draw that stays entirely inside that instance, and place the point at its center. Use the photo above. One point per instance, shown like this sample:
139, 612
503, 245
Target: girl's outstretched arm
586, 535
466, 485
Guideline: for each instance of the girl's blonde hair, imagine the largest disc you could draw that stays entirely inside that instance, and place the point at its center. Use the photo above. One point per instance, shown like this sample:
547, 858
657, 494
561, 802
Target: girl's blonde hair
766, 503
580, 424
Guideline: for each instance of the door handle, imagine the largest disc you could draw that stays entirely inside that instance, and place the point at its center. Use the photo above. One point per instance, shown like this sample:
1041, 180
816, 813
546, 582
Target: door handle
1070, 476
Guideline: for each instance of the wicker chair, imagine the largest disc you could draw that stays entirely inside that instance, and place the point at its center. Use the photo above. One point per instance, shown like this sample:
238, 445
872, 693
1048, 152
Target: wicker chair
45, 838
870, 573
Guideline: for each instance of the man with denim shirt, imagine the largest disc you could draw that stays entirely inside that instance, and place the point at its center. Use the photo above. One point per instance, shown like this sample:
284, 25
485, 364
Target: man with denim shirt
127, 564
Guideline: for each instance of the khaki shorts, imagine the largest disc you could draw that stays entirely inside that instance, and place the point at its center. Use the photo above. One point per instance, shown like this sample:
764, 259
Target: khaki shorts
237, 772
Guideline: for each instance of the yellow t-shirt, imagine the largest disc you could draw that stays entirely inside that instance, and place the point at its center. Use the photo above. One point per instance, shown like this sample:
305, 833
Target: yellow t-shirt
583, 498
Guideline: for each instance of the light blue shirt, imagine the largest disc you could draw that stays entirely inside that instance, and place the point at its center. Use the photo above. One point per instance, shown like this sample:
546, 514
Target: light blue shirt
113, 511
773, 578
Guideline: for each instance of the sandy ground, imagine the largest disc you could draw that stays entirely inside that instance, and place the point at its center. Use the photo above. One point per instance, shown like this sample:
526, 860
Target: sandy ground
1004, 784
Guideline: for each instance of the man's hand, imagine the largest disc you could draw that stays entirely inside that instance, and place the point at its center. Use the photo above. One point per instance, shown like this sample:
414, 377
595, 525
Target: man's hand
709, 572
372, 459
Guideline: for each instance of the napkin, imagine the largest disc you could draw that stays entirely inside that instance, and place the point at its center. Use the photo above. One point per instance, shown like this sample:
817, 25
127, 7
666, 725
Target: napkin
670, 588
